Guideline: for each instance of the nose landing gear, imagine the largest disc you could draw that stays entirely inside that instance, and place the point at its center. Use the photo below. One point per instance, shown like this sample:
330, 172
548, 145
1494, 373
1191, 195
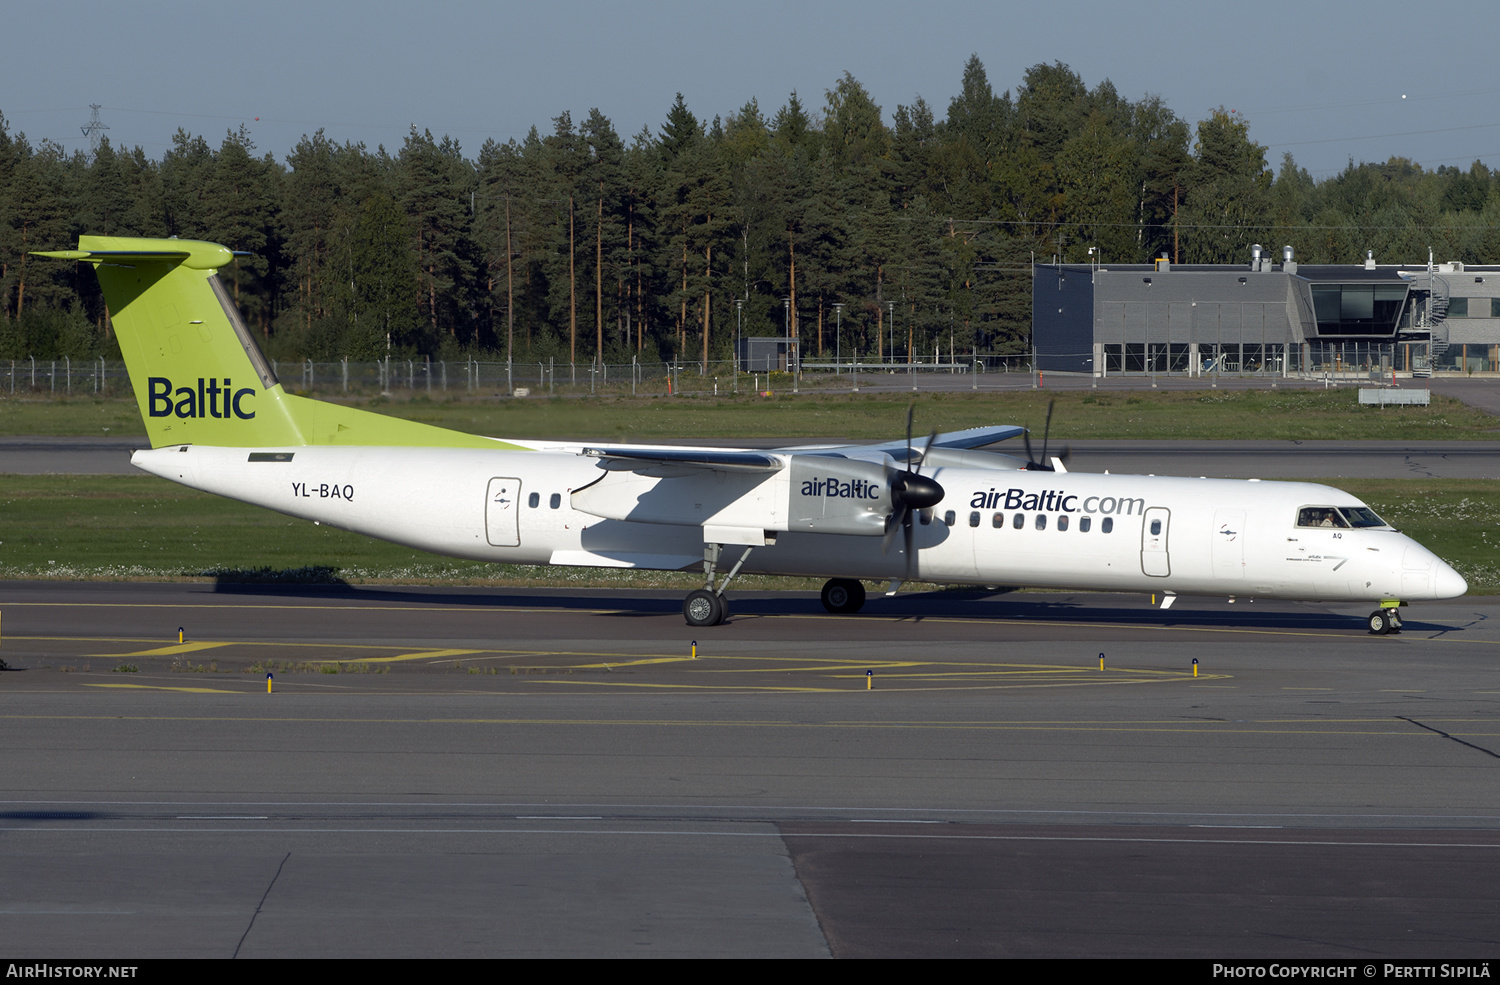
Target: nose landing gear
1385, 620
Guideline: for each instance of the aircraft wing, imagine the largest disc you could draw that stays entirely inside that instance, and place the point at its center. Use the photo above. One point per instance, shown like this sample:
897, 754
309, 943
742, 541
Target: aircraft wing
958, 440
622, 458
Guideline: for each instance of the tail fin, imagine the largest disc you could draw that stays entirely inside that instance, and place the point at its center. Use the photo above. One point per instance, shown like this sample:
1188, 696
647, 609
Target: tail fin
198, 374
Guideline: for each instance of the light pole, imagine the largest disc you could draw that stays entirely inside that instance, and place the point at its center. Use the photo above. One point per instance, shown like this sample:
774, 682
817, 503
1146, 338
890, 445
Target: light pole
739, 315
890, 308
838, 335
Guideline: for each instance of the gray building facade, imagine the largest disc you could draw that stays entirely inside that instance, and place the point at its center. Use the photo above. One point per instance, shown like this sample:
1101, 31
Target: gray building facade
1264, 317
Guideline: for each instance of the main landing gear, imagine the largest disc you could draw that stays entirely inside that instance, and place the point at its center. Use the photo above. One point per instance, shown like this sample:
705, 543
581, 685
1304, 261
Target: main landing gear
843, 595
707, 606
1385, 620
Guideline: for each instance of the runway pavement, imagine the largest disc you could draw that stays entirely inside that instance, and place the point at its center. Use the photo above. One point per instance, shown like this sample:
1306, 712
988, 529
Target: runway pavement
533, 772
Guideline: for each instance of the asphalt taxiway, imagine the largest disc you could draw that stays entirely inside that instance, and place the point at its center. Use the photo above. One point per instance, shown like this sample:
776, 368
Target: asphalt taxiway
536, 772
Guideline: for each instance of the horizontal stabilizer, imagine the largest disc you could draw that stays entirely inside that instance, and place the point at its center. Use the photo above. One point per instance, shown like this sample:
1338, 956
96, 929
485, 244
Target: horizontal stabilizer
131, 250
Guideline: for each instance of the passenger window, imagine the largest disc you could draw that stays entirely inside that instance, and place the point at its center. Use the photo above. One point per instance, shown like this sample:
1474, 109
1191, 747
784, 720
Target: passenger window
1084, 523
998, 522
1041, 521
925, 516
950, 518
555, 501
974, 519
1062, 523
1156, 528
1020, 521
535, 500
1108, 525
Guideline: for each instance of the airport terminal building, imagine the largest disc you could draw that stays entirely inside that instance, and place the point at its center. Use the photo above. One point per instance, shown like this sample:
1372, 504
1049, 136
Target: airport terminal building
1265, 317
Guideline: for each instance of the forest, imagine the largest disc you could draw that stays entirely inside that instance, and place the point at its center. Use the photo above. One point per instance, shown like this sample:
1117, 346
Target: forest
578, 244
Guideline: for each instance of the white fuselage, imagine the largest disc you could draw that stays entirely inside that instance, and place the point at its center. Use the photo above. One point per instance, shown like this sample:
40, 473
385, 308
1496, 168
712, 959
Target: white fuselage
1075, 530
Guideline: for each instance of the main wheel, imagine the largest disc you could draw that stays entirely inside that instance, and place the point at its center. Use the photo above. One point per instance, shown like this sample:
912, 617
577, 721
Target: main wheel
843, 595
702, 608
1380, 623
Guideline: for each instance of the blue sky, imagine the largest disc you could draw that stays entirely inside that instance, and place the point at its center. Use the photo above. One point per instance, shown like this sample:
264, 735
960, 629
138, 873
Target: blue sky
1324, 80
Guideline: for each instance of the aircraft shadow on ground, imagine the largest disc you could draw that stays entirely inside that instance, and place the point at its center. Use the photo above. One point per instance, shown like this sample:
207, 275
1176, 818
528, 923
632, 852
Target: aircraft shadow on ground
1081, 610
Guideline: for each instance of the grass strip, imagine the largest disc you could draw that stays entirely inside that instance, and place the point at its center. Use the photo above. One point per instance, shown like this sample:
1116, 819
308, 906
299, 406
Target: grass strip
1228, 415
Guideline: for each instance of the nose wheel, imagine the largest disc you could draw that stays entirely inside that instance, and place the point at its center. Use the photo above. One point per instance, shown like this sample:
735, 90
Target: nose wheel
1384, 621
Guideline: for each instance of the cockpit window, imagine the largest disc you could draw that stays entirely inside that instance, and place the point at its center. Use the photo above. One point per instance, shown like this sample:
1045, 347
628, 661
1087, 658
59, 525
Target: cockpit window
1362, 516
1320, 516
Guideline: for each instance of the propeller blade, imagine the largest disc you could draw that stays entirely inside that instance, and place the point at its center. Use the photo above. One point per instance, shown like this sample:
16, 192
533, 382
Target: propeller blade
927, 448
1047, 431
900, 518
911, 546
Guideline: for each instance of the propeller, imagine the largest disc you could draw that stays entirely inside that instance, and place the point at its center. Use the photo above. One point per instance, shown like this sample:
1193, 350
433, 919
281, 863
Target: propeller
910, 491
1044, 464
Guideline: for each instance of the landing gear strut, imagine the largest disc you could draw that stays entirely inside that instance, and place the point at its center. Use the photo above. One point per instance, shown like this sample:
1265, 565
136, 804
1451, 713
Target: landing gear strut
707, 606
843, 595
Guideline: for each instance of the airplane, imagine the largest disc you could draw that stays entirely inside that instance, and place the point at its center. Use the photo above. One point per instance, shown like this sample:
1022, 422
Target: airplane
948, 513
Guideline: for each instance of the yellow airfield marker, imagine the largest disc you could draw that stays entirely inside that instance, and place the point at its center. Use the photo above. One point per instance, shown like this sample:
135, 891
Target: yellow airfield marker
1101, 661
179, 635
268, 681
1195, 666
869, 680
695, 651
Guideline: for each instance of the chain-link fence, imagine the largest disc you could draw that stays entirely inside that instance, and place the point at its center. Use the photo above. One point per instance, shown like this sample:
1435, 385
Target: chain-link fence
550, 377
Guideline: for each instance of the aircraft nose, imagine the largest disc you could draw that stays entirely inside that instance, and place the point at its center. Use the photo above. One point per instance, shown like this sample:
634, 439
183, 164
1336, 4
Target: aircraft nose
1447, 583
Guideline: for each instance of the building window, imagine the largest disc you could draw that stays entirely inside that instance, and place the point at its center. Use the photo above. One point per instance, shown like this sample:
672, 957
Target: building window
1458, 307
1495, 307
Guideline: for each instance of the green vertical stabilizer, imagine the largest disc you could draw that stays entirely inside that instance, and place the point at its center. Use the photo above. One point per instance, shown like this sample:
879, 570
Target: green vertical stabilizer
198, 374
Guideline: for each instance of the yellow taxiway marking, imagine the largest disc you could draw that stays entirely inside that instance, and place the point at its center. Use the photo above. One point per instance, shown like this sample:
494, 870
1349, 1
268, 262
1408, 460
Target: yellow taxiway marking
163, 651
420, 655
154, 687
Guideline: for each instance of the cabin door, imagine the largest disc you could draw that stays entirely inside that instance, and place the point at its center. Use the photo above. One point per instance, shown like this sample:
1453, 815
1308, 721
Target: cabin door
1229, 544
502, 513
1154, 560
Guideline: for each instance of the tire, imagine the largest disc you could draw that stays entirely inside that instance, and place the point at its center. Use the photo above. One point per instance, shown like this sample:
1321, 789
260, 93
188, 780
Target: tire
1380, 623
702, 608
843, 595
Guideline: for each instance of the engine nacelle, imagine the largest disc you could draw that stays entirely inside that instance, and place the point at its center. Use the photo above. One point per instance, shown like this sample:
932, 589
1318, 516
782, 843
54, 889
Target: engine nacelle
812, 493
